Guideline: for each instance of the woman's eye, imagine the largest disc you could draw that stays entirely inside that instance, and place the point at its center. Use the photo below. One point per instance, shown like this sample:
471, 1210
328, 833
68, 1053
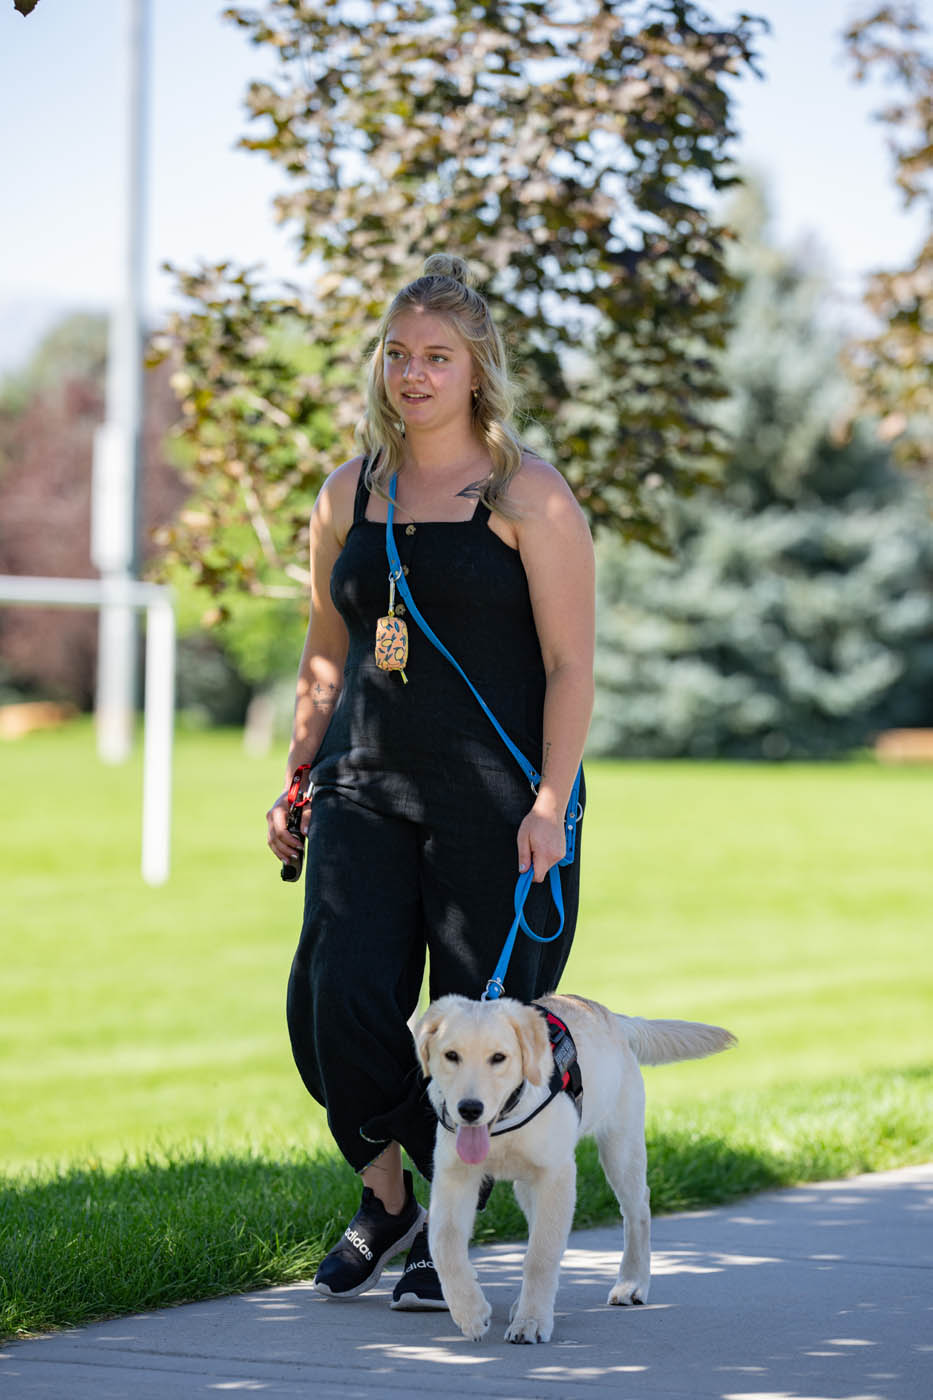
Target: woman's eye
497, 1058
452, 1056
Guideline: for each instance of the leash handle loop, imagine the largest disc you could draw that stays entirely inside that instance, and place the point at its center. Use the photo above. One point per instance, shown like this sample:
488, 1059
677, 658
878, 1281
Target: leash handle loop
495, 987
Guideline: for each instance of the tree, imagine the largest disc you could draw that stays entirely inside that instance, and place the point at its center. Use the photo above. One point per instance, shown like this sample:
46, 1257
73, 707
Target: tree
49, 411
566, 150
891, 368
797, 616
255, 436
48, 415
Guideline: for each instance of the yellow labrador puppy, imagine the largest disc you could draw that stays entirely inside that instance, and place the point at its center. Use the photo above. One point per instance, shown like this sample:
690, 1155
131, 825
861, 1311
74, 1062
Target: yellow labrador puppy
490, 1065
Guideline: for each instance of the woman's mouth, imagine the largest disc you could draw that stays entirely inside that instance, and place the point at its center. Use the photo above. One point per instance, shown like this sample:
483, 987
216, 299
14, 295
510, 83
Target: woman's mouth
413, 397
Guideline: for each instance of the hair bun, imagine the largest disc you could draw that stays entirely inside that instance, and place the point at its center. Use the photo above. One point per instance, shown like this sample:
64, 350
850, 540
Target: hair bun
448, 265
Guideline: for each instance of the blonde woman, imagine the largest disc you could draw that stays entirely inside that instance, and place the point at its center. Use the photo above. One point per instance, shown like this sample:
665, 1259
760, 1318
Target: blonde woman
420, 818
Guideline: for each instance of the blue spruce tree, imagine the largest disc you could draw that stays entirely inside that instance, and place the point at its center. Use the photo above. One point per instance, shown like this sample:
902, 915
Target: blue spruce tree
795, 616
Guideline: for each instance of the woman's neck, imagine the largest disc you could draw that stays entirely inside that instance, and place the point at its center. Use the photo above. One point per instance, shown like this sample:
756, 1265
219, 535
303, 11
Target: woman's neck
443, 453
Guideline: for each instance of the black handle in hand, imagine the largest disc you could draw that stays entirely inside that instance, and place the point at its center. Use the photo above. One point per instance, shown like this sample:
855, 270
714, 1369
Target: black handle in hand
291, 869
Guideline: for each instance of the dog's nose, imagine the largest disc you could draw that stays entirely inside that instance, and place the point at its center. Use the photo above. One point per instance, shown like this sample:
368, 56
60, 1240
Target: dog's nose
470, 1109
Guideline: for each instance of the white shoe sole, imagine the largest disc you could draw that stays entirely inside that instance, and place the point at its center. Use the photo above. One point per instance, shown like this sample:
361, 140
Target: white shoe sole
410, 1302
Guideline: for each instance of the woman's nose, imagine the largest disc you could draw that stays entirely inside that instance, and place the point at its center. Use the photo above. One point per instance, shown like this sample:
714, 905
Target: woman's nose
410, 368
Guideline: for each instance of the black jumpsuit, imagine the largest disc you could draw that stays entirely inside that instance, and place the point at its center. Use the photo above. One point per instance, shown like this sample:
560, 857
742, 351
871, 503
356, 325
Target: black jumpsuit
411, 845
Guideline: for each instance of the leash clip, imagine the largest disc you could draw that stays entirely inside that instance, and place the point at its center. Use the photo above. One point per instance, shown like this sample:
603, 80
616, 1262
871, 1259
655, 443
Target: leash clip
495, 988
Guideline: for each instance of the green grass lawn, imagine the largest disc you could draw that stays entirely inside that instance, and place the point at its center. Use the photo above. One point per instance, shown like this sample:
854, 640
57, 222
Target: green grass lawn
147, 1075
791, 904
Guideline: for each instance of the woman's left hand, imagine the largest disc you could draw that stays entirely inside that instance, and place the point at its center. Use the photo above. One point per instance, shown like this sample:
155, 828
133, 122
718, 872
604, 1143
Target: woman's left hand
541, 841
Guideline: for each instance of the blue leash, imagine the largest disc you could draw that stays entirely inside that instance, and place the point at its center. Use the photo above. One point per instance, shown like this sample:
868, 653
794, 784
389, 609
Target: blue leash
496, 984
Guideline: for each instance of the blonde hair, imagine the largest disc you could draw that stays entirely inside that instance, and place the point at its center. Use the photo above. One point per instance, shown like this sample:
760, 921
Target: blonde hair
444, 290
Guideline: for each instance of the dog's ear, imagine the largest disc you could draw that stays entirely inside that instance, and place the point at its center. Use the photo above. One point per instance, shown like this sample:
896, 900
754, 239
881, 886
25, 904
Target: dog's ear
424, 1032
531, 1029
428, 1026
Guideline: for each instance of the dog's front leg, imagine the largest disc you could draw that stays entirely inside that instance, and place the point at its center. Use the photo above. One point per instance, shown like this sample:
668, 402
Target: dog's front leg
450, 1225
548, 1203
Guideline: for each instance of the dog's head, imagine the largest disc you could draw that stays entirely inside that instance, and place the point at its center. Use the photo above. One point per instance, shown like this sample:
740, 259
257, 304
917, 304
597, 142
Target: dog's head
477, 1053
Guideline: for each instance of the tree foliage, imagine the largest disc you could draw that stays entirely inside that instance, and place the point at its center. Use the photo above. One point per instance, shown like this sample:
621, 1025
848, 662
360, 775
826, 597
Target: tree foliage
892, 367
796, 619
565, 149
258, 435
49, 412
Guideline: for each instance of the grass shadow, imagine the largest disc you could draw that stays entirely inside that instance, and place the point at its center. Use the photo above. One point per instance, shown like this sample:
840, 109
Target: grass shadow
88, 1241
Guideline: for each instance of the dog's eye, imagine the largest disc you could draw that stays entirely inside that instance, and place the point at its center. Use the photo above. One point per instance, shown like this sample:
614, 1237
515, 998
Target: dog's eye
497, 1058
452, 1056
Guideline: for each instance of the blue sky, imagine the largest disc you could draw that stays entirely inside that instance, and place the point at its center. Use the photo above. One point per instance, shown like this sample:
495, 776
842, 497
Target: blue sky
807, 128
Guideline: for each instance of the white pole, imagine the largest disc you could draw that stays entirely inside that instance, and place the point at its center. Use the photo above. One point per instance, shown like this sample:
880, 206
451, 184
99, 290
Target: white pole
115, 531
116, 664
157, 747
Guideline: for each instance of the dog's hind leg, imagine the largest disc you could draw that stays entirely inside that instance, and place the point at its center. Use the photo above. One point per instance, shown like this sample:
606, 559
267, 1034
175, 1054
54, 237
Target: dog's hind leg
548, 1205
624, 1160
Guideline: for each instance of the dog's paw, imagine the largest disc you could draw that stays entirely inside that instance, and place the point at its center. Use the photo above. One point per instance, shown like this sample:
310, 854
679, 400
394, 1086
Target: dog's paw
627, 1292
529, 1330
473, 1324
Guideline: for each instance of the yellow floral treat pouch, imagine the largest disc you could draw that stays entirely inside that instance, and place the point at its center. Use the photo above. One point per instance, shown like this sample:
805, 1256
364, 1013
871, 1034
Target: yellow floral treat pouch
392, 644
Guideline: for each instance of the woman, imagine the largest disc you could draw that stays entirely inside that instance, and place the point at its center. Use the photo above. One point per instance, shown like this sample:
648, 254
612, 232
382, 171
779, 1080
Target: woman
418, 809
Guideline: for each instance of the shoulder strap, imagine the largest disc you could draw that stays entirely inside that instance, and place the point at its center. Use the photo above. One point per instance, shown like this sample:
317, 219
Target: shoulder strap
361, 498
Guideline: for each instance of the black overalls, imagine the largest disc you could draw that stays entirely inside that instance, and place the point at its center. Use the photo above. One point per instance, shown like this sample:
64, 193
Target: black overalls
411, 846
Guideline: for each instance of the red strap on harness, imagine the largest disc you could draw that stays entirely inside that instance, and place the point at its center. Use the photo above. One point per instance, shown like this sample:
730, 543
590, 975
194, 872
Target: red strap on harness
555, 1024
565, 1055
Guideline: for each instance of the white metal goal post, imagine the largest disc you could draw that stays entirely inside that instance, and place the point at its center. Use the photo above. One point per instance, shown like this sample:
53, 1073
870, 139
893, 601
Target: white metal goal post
159, 714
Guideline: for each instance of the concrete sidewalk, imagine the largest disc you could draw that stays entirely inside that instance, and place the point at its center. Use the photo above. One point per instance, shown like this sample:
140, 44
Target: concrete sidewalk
824, 1292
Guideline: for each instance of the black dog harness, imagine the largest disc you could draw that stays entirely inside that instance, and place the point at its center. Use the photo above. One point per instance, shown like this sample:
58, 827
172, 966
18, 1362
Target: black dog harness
565, 1079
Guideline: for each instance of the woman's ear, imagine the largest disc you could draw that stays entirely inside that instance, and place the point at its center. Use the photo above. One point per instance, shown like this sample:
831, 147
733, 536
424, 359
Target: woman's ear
534, 1043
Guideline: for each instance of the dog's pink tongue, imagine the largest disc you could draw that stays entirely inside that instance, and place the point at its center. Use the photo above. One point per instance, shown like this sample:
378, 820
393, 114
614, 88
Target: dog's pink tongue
473, 1143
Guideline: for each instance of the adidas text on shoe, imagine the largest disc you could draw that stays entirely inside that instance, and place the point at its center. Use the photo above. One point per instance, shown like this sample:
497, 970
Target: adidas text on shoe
358, 1242
419, 1288
371, 1239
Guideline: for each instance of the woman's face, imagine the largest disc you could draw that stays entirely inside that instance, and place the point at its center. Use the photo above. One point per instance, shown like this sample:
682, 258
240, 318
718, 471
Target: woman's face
428, 370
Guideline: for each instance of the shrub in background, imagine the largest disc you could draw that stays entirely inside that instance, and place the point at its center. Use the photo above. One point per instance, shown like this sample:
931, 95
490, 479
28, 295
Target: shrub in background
795, 618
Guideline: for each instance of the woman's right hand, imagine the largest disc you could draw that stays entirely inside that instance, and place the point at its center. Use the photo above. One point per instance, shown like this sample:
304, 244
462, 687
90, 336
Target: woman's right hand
282, 843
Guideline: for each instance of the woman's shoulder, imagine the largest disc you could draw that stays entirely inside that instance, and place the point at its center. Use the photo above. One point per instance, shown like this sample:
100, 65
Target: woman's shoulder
336, 497
538, 489
536, 471
343, 480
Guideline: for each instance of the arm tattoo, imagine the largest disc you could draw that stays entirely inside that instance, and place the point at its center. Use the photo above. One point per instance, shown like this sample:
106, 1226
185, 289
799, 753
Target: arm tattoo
545, 759
323, 697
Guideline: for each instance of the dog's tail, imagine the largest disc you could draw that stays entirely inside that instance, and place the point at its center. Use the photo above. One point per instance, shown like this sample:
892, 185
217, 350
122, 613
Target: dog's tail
662, 1042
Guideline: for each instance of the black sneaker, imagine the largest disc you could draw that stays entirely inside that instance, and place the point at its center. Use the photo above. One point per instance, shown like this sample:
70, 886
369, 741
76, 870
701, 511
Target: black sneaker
371, 1239
419, 1288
